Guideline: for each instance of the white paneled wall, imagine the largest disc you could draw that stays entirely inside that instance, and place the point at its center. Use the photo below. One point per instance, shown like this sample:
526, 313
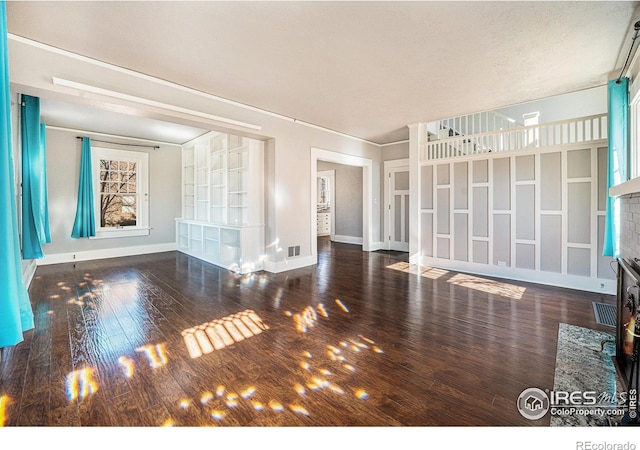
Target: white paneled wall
531, 215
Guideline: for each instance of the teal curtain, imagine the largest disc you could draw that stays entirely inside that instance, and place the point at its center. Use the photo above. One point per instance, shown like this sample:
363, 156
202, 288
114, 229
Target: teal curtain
618, 165
16, 314
35, 207
85, 223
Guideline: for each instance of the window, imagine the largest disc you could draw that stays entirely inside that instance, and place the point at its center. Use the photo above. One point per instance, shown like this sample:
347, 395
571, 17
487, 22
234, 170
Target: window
121, 191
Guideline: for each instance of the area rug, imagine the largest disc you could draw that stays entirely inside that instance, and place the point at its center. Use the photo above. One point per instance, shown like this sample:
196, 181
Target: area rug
584, 364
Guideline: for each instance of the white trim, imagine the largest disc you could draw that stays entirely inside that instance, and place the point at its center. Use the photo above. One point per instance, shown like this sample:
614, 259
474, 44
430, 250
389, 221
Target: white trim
346, 239
295, 263
537, 208
338, 133
628, 187
594, 213
417, 132
110, 233
28, 271
377, 246
141, 158
599, 285
148, 102
367, 194
395, 143
564, 204
95, 62
512, 209
59, 258
114, 136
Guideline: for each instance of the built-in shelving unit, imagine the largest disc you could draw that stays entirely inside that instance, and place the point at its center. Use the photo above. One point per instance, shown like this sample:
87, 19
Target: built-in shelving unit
222, 209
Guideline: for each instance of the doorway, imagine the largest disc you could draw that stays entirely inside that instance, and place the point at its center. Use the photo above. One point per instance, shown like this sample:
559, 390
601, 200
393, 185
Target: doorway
367, 195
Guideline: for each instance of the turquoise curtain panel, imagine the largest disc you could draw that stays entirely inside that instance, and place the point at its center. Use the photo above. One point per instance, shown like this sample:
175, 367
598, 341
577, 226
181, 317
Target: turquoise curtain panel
16, 314
618, 167
85, 223
35, 208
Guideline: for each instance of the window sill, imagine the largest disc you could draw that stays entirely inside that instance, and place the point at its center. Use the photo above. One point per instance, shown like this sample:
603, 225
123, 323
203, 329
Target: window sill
628, 187
120, 233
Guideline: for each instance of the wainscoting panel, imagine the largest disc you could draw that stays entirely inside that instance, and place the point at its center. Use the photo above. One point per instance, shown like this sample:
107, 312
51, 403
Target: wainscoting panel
538, 214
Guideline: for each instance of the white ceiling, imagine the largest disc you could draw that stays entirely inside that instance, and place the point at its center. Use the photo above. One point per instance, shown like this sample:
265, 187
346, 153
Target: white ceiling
363, 68
58, 113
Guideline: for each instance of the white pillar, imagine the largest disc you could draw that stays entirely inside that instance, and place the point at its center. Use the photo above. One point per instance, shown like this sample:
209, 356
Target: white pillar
417, 137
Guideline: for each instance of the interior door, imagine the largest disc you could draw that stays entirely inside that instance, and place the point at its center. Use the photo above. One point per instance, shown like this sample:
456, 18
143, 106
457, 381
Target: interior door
399, 209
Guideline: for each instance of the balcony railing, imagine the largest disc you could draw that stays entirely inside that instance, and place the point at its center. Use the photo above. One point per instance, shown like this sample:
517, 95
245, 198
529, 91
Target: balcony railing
583, 129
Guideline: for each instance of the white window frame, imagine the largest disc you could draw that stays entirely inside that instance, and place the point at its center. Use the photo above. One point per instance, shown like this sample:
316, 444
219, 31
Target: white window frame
142, 189
634, 150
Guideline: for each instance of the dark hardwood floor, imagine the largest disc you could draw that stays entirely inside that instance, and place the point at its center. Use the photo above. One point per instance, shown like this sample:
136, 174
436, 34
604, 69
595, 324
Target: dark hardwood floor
361, 339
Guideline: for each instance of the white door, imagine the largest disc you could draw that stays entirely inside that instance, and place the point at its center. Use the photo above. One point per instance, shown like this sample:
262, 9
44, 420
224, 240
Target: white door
398, 208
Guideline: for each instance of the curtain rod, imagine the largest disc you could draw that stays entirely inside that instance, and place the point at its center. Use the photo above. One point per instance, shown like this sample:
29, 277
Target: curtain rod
636, 27
120, 143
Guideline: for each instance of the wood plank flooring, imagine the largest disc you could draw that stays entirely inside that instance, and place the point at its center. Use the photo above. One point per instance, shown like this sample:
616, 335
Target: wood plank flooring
361, 339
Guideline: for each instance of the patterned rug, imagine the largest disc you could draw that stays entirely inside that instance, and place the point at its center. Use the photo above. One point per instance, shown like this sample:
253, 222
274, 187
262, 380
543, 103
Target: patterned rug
584, 363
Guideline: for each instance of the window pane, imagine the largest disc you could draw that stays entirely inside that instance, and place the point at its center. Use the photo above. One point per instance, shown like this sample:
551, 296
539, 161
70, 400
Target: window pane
132, 187
118, 211
123, 166
104, 164
113, 176
113, 165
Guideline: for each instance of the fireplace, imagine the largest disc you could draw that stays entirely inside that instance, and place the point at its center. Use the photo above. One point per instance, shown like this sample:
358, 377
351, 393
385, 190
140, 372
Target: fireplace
628, 306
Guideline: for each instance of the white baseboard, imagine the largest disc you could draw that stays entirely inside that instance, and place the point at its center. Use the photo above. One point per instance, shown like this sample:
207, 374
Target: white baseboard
599, 285
346, 239
59, 258
375, 246
28, 271
289, 264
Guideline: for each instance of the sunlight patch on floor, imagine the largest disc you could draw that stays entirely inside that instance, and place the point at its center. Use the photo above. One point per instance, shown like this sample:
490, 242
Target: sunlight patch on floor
221, 333
489, 286
156, 354
4, 401
426, 272
81, 384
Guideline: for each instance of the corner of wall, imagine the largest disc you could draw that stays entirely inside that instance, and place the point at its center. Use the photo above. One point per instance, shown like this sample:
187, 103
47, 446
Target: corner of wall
28, 271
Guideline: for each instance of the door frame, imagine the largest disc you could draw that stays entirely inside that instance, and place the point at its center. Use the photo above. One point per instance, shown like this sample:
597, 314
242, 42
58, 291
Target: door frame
395, 165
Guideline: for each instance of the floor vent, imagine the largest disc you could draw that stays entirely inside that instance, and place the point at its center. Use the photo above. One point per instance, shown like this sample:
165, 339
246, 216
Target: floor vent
605, 314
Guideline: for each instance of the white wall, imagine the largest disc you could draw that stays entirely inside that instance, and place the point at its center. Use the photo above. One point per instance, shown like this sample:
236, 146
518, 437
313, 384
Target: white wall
399, 150
588, 102
63, 162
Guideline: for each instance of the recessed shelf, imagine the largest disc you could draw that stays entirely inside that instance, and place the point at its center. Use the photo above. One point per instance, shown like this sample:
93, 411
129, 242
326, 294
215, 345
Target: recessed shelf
223, 195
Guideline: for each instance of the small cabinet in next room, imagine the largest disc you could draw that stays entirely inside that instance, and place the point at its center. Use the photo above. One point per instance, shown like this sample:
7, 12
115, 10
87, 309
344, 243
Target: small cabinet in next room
324, 223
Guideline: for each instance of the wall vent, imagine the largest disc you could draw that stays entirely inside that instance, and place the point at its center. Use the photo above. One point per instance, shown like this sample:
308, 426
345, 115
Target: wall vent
294, 251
